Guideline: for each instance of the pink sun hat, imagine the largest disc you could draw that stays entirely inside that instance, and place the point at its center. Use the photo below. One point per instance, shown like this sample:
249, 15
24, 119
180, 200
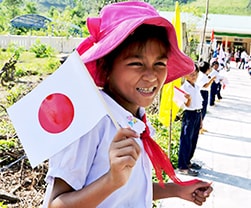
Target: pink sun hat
115, 23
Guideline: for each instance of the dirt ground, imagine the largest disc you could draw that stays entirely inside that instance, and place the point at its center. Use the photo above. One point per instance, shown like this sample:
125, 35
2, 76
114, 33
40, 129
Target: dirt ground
22, 186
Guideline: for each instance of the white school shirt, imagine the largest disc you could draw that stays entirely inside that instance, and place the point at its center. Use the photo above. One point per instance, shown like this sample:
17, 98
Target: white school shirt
202, 80
194, 92
217, 73
87, 159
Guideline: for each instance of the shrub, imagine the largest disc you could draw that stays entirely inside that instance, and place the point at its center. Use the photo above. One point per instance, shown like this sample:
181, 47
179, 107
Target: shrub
14, 50
14, 95
42, 50
51, 65
20, 72
7, 144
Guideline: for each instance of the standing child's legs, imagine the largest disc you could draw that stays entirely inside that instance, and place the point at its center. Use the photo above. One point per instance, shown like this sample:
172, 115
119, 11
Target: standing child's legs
219, 91
186, 143
213, 92
195, 135
204, 94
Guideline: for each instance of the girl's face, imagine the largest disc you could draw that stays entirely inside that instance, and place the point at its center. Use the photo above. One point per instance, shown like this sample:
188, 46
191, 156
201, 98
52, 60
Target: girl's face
138, 74
192, 77
216, 66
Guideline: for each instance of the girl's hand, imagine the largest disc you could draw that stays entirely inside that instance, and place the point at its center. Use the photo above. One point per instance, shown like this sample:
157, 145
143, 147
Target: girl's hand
197, 192
189, 98
124, 152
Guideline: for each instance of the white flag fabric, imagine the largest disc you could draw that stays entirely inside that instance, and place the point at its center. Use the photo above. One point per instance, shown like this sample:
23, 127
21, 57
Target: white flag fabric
179, 96
214, 45
222, 57
65, 106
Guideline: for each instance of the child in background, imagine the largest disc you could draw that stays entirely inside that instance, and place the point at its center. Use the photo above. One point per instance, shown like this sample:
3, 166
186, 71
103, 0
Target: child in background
204, 82
191, 124
131, 53
216, 84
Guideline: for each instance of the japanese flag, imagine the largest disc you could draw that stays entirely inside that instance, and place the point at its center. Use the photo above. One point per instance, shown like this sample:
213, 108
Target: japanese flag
58, 111
179, 96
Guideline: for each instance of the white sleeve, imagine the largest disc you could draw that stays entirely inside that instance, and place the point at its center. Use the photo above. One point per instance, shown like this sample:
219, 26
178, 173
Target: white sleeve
73, 163
202, 81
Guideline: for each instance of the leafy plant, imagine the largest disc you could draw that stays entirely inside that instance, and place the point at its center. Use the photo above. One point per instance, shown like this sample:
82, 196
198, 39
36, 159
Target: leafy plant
42, 50
51, 65
7, 144
14, 50
14, 95
20, 72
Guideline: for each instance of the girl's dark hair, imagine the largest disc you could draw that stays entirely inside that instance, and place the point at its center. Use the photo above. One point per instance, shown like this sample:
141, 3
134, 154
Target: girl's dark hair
140, 36
204, 66
215, 63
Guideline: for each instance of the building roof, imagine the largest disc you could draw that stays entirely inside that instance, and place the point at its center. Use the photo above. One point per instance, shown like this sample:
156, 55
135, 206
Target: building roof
36, 22
229, 23
225, 25
30, 21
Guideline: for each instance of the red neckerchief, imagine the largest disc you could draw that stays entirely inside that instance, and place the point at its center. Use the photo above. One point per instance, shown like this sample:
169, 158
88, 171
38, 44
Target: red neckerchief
159, 159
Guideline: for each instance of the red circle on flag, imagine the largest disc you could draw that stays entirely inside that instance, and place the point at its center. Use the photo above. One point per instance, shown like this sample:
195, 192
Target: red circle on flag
56, 113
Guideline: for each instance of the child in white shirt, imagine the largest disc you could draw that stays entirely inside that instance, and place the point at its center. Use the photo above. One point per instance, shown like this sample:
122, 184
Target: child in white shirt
130, 54
191, 124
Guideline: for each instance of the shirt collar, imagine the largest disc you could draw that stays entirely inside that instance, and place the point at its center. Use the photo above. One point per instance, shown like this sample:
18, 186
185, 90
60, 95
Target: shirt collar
123, 117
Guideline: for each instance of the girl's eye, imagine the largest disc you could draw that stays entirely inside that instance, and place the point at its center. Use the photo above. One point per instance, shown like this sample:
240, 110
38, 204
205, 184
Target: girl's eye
135, 64
161, 64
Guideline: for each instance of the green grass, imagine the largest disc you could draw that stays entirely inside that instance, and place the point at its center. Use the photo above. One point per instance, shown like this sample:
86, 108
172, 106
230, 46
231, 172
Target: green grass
28, 64
233, 7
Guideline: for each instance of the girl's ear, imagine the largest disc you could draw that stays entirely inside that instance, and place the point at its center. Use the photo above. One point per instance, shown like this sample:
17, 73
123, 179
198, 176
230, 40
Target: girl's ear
103, 70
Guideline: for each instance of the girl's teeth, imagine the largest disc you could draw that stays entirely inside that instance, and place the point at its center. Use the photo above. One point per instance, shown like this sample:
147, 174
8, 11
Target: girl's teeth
146, 90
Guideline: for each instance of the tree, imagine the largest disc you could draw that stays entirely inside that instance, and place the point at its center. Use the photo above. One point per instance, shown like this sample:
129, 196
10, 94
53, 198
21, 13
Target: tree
249, 4
30, 8
13, 6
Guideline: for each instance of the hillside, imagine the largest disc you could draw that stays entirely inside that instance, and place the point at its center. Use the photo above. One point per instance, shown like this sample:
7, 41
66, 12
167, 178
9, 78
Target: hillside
235, 7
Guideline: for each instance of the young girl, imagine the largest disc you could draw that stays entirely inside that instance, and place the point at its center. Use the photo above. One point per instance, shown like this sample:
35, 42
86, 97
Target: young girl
191, 123
131, 53
215, 89
204, 82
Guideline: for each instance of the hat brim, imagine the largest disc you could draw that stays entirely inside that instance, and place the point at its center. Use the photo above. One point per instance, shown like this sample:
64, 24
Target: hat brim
178, 65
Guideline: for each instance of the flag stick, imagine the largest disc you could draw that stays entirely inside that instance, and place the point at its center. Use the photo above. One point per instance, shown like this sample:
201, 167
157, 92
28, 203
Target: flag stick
102, 99
170, 123
204, 30
170, 135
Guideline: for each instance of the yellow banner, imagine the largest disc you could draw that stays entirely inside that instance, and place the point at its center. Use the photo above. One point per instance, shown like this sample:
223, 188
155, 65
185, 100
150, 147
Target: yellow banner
167, 105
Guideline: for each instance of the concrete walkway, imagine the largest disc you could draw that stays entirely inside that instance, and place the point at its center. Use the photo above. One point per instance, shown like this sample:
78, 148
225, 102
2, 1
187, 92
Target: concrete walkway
225, 150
